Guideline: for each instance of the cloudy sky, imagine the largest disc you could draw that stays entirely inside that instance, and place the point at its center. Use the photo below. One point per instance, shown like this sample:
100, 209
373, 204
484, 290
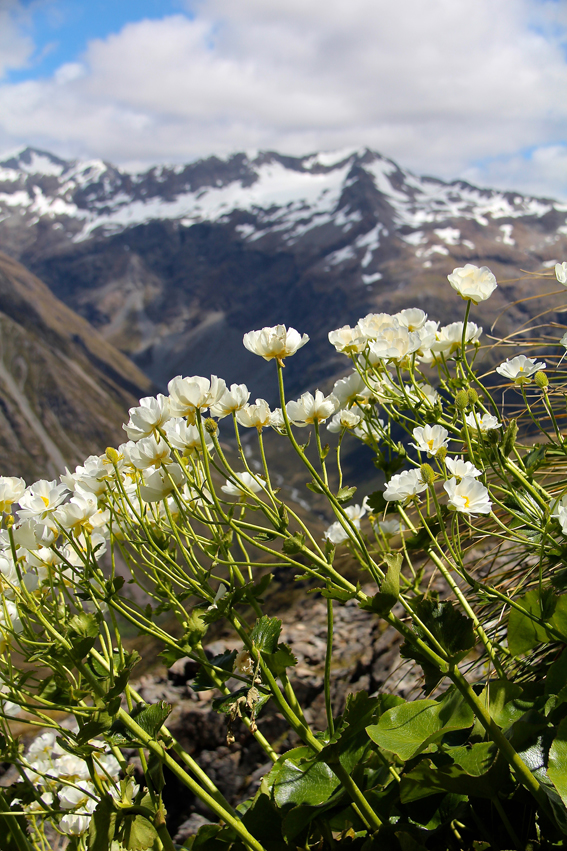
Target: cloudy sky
456, 88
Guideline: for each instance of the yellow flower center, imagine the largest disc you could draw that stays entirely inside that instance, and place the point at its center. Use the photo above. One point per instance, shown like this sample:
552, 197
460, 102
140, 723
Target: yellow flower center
467, 502
45, 501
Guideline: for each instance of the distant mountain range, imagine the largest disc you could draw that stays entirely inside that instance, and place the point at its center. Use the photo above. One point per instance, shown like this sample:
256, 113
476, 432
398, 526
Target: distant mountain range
173, 264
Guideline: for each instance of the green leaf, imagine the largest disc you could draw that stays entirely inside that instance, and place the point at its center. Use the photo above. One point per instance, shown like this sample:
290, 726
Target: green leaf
224, 661
155, 772
500, 698
408, 729
334, 593
137, 833
376, 502
149, 718
427, 779
449, 626
280, 660
559, 617
523, 633
345, 494
298, 778
293, 544
556, 676
265, 633
85, 625
534, 458
476, 759
315, 487
265, 536
99, 723
350, 740
102, 826
389, 592
557, 761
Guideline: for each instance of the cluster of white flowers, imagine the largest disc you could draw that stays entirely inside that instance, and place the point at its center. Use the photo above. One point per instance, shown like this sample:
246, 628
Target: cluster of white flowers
64, 782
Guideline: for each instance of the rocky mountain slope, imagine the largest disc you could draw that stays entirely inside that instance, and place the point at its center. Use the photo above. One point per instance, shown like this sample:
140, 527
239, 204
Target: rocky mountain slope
175, 263
64, 389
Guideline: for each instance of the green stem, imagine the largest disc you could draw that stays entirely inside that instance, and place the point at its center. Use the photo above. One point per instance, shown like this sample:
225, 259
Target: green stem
328, 659
11, 825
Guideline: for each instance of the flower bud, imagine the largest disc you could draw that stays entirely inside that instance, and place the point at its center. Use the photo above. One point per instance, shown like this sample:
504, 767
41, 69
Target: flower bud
112, 455
509, 439
473, 396
541, 379
427, 474
211, 425
441, 453
462, 400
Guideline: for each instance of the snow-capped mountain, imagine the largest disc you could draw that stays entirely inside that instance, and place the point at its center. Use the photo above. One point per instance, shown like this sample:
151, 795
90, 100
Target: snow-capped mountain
174, 263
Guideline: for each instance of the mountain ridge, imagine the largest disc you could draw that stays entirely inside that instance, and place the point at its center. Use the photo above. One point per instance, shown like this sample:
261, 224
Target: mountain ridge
172, 264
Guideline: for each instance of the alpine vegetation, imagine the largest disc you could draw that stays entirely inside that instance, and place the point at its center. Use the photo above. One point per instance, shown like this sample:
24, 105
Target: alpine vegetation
461, 550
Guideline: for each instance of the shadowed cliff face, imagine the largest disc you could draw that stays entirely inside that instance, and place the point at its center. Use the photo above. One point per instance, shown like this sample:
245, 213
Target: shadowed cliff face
175, 264
64, 390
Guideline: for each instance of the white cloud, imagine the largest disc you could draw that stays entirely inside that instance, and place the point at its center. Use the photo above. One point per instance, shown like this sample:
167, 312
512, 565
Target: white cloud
15, 47
441, 86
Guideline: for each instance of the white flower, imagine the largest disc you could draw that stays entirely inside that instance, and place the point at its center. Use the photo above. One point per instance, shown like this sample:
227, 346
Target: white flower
255, 416
351, 389
473, 283
241, 488
419, 393
11, 489
92, 476
149, 452
486, 423
244, 663
389, 528
74, 824
449, 337
8, 707
348, 340
519, 369
231, 400
430, 438
394, 343
76, 513
468, 496
277, 420
185, 437
189, 395
373, 325
8, 576
159, 483
78, 797
152, 413
563, 341
274, 342
404, 486
412, 318
9, 617
370, 431
561, 272
560, 513
461, 469
344, 419
336, 534
312, 409
41, 498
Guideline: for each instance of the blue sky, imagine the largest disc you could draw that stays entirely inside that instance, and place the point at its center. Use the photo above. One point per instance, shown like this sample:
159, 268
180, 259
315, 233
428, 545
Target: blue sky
61, 29
471, 89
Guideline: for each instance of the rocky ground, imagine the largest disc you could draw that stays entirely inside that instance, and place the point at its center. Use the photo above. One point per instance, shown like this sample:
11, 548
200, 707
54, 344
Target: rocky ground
366, 658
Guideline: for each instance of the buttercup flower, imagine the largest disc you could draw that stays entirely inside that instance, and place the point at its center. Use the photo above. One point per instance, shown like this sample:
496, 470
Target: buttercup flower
394, 344
255, 416
390, 528
561, 272
312, 409
449, 338
231, 400
348, 340
430, 438
373, 325
344, 419
412, 318
461, 469
336, 534
472, 282
76, 513
243, 486
186, 437
404, 486
351, 389
11, 489
486, 423
519, 369
149, 452
469, 496
41, 498
189, 395
159, 483
274, 342
151, 414
560, 513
